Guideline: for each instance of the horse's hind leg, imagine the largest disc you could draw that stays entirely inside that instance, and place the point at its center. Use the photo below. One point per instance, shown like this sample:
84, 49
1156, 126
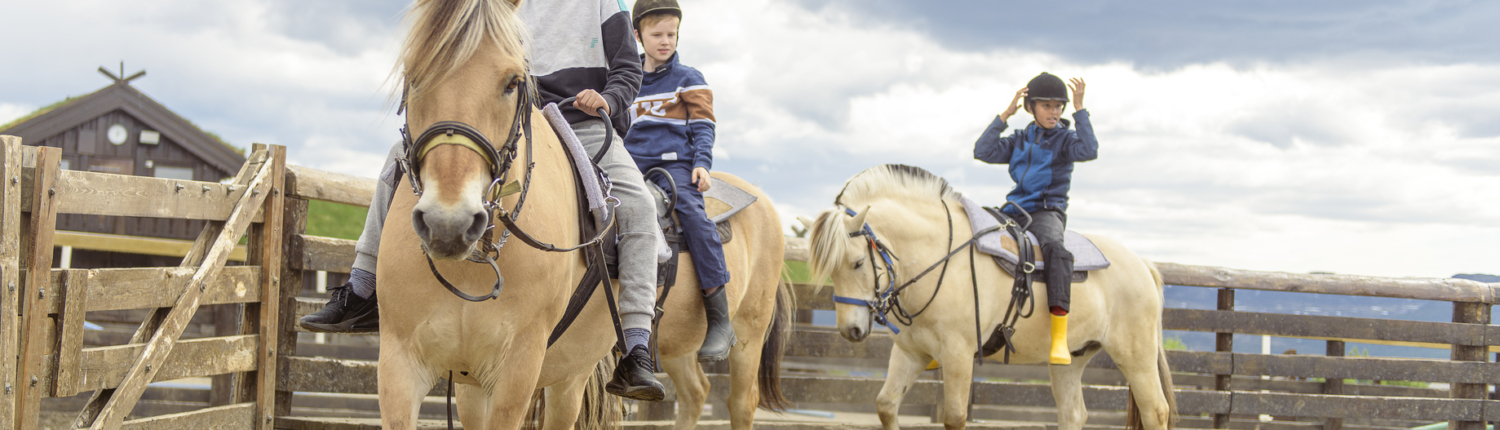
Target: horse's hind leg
691, 386
744, 370
1067, 390
902, 371
1139, 364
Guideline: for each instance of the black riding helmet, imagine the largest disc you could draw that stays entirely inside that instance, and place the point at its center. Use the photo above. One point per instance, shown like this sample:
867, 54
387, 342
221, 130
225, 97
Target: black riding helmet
647, 7
1045, 86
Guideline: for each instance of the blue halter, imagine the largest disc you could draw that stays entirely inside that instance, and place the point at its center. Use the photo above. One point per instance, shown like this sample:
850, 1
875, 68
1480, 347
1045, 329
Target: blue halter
882, 303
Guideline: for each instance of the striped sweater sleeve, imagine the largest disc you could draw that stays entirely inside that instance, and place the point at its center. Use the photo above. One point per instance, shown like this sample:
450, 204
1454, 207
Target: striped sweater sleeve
624, 78
699, 99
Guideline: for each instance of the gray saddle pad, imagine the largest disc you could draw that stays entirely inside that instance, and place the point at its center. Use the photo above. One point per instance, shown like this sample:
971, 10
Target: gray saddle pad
1086, 256
721, 202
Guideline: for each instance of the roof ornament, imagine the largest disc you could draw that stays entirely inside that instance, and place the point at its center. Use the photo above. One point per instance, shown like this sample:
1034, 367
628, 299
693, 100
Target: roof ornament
117, 78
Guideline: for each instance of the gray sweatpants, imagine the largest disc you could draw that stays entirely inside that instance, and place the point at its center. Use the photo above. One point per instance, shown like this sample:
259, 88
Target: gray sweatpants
636, 216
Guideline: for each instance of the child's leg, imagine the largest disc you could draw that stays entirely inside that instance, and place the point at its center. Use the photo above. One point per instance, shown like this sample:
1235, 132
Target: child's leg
1048, 227
380, 204
701, 234
352, 307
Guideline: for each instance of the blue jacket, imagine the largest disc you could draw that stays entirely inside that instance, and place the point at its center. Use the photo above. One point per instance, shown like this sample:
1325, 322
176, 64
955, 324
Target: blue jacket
672, 118
1041, 160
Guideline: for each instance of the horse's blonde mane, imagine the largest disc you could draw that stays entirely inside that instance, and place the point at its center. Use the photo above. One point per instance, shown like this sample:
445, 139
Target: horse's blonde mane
827, 237
446, 33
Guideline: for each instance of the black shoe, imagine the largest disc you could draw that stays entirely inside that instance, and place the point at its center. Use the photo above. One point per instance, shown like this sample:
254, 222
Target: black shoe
633, 378
720, 335
346, 312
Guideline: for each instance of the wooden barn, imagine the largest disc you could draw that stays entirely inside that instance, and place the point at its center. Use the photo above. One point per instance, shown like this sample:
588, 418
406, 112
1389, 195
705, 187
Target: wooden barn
120, 130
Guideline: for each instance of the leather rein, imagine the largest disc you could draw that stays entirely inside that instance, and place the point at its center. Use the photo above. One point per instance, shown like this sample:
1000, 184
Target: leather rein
499, 161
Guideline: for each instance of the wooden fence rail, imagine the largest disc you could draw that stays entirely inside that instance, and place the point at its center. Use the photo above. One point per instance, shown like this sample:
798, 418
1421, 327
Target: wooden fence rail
44, 352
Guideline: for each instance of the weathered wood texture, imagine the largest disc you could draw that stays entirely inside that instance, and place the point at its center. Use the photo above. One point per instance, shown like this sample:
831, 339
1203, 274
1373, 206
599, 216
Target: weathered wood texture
152, 287
328, 375
294, 222
313, 184
161, 343
1438, 289
229, 417
324, 253
132, 244
106, 367
37, 254
10, 276
89, 193
268, 238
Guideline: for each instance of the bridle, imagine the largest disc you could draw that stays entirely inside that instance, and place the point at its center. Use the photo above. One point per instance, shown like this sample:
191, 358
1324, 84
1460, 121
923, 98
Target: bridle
888, 301
499, 161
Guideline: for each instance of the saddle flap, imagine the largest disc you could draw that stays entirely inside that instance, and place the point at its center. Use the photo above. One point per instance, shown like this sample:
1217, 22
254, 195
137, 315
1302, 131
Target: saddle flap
1086, 255
584, 167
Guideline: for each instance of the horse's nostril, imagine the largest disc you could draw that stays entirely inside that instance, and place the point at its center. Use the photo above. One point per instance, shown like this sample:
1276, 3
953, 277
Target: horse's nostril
419, 222
856, 332
480, 223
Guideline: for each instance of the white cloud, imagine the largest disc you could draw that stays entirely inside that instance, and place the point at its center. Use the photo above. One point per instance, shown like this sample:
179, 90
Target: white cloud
12, 111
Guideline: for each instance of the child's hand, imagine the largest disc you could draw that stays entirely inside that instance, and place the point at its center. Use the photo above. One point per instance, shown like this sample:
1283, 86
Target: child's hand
1015, 103
590, 102
700, 178
1077, 88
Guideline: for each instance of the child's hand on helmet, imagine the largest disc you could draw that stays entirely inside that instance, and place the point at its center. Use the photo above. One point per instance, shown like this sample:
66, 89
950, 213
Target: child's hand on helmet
1015, 104
1077, 88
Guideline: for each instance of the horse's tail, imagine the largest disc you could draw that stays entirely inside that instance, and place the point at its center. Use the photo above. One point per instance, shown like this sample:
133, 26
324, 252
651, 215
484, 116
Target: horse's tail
1132, 411
600, 410
769, 376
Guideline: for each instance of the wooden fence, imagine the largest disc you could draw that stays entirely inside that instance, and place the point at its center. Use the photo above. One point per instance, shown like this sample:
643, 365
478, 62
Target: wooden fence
263, 360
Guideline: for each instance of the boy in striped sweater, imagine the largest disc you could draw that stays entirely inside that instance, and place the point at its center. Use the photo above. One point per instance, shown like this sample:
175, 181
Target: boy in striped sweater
672, 127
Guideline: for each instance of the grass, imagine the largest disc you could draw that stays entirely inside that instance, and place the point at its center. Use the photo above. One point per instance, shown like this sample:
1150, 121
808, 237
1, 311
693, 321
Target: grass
335, 220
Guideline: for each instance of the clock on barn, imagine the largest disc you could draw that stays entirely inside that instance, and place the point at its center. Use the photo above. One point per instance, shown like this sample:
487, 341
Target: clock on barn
117, 134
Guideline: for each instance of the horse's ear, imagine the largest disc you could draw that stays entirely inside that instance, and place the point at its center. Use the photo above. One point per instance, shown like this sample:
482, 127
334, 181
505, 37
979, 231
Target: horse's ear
858, 221
806, 222
517, 3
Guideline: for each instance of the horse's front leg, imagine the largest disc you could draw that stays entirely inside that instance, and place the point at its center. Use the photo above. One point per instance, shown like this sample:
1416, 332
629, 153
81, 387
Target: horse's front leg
403, 382
512, 387
903, 370
564, 401
1067, 391
958, 378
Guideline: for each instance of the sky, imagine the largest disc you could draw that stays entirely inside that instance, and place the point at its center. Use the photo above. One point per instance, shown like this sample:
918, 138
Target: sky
1348, 136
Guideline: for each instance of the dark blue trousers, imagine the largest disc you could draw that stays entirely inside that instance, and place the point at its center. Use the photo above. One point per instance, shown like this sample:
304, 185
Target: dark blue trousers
702, 237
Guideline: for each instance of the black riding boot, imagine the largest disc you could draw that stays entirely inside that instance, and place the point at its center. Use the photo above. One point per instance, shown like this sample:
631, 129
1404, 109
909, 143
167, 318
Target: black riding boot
345, 312
720, 335
633, 378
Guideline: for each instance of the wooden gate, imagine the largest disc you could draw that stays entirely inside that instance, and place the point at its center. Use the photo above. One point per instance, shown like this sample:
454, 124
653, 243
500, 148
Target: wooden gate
43, 309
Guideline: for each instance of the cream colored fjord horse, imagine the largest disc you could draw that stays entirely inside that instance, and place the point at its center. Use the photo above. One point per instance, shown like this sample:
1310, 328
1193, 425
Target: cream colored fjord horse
1117, 309
464, 62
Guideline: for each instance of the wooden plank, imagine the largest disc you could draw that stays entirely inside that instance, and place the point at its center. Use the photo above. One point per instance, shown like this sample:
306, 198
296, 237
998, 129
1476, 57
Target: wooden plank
161, 343
93, 193
1438, 289
294, 218
195, 256
69, 335
324, 253
132, 244
269, 240
10, 270
1323, 327
314, 184
797, 249
1387, 369
1334, 386
37, 283
1326, 406
155, 287
1473, 314
328, 375
106, 367
230, 417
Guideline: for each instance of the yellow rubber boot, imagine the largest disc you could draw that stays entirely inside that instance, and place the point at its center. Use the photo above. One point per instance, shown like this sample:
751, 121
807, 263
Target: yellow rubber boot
933, 365
1060, 353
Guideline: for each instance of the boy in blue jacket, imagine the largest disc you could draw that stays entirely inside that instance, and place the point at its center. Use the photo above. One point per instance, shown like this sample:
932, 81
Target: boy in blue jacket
1041, 161
672, 127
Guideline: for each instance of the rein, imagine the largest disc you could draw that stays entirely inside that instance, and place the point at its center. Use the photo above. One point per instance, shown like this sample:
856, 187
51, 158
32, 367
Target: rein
889, 301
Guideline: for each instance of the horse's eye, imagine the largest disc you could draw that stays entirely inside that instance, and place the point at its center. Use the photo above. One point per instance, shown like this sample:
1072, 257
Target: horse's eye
514, 83
859, 264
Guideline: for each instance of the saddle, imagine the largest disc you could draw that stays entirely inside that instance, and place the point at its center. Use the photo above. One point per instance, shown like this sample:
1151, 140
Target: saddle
1002, 245
722, 201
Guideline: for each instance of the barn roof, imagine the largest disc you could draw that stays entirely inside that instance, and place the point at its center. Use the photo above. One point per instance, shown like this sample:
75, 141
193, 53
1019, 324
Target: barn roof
64, 115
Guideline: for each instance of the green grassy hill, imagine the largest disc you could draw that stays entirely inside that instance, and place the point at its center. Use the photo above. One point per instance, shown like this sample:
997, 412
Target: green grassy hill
335, 220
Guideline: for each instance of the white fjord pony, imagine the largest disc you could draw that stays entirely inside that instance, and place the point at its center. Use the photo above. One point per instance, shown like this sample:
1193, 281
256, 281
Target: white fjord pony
1118, 309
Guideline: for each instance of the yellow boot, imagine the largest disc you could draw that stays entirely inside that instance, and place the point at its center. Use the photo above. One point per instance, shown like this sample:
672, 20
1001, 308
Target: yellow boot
1060, 353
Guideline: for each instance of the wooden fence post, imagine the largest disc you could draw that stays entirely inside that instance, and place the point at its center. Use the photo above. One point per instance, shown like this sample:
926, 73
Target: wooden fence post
10, 275
1334, 385
38, 261
1470, 313
294, 222
1224, 342
263, 317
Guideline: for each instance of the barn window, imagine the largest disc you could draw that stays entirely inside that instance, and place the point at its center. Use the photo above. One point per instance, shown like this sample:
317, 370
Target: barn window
174, 172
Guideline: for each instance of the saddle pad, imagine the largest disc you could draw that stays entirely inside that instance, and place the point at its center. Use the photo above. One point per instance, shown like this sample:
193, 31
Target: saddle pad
581, 162
1000, 244
723, 200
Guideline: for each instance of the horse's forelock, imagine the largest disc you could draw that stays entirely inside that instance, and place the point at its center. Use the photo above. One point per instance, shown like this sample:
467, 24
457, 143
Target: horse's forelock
827, 243
446, 33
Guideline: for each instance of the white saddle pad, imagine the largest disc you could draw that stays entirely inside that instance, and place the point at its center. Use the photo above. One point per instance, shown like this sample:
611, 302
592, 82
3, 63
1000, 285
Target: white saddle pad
1086, 256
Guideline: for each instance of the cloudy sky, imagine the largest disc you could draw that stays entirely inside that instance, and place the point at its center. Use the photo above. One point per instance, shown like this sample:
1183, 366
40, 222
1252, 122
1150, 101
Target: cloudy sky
1352, 137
